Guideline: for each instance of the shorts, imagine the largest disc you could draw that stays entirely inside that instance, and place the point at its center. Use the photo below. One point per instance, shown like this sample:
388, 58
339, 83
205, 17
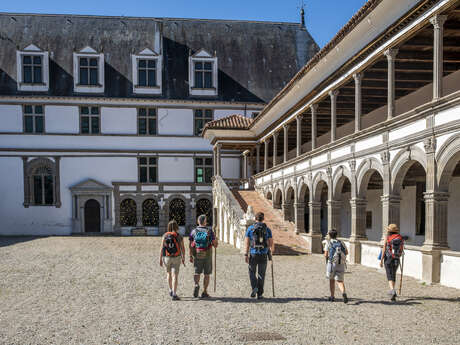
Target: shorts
203, 265
335, 272
172, 263
391, 266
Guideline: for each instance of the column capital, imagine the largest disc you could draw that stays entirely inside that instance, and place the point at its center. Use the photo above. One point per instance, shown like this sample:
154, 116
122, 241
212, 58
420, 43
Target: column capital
358, 202
299, 118
436, 196
390, 198
385, 157
314, 108
218, 146
286, 126
358, 77
299, 204
334, 203
352, 165
391, 53
275, 135
438, 20
430, 145
334, 93
314, 204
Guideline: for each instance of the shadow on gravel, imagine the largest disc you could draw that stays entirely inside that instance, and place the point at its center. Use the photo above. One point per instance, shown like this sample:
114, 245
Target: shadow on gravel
411, 298
281, 249
6, 241
397, 302
254, 300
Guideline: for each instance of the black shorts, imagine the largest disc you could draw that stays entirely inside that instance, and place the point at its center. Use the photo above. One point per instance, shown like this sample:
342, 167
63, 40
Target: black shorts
391, 266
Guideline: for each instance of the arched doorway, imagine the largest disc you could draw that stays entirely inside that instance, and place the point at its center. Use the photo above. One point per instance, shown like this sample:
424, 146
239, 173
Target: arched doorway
177, 211
92, 216
204, 206
128, 213
150, 213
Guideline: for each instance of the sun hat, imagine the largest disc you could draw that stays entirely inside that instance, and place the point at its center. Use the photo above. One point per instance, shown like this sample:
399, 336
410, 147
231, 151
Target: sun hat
393, 228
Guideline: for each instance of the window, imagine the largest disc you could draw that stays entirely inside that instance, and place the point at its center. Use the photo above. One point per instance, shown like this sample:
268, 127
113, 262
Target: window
202, 116
88, 71
203, 74
147, 72
32, 69
34, 120
41, 182
148, 169
146, 121
89, 120
203, 170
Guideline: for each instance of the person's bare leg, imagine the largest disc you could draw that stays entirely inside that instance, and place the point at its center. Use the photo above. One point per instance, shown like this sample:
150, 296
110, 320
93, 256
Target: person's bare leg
391, 283
332, 287
341, 286
175, 275
196, 278
205, 283
169, 276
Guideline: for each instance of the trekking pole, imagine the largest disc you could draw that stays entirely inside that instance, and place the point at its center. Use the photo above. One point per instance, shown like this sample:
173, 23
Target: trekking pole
215, 268
270, 256
402, 270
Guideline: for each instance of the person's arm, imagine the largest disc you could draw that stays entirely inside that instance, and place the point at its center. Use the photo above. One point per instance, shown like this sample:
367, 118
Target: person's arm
161, 251
182, 250
246, 249
271, 242
383, 253
190, 248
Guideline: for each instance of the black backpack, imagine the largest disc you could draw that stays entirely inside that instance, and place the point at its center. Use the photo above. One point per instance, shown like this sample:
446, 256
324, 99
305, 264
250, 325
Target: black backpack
171, 245
395, 245
259, 236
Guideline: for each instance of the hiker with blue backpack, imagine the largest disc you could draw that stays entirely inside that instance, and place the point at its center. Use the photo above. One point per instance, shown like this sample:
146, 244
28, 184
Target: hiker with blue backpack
259, 248
202, 239
336, 253
392, 251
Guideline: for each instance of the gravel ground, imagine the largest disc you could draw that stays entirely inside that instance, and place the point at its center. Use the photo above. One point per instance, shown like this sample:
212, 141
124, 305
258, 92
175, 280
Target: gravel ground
110, 290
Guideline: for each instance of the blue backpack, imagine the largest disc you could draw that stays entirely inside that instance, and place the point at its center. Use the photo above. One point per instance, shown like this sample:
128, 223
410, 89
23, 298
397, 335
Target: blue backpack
202, 239
336, 252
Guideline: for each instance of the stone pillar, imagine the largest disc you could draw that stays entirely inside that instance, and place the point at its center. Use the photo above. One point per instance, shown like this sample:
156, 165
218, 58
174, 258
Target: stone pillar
436, 220
116, 201
257, 158
358, 228
245, 165
390, 211
438, 35
287, 209
266, 143
299, 217
358, 104
57, 182
275, 148
138, 212
299, 136
214, 161
219, 163
333, 94
314, 108
391, 55
333, 215
286, 143
314, 235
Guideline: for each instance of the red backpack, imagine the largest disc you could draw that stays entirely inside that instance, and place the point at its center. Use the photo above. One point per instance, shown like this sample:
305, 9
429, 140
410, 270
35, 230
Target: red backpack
395, 246
171, 244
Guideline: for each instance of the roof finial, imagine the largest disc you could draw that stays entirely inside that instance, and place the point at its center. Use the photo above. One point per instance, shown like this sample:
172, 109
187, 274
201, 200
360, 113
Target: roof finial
302, 15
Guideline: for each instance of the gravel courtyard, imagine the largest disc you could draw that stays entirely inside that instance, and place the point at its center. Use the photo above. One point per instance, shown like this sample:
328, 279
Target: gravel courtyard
110, 290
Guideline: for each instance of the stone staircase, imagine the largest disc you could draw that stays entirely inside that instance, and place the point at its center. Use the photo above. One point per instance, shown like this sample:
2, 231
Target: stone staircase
286, 241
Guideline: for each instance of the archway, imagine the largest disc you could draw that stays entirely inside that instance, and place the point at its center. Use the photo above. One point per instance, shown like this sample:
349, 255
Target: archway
321, 197
177, 211
278, 199
289, 204
150, 213
204, 206
304, 197
92, 216
128, 213
342, 223
371, 190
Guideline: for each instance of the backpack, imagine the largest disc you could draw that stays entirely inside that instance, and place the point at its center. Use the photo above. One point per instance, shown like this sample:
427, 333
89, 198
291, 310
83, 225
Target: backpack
171, 245
202, 239
336, 252
259, 236
395, 245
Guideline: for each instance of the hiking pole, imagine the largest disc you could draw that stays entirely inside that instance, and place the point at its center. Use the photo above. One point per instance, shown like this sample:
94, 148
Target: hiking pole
402, 270
270, 257
215, 268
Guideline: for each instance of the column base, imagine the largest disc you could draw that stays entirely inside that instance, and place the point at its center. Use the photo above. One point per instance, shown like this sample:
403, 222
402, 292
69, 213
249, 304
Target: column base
431, 265
354, 255
314, 244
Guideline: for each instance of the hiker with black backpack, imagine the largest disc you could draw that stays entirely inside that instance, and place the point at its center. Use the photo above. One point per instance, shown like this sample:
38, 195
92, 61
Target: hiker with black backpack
392, 251
172, 253
259, 247
336, 253
202, 239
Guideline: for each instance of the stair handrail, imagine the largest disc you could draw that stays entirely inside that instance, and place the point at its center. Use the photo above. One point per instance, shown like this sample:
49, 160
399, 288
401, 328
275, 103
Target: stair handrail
229, 198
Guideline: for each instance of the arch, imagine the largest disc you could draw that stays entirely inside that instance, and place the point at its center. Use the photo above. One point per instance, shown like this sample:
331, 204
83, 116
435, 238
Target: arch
204, 206
277, 198
319, 181
402, 162
41, 182
128, 209
447, 158
364, 173
290, 194
177, 210
150, 212
341, 174
92, 216
269, 195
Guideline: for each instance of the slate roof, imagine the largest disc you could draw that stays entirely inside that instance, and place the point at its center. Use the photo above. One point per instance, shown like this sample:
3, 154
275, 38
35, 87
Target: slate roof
234, 121
255, 59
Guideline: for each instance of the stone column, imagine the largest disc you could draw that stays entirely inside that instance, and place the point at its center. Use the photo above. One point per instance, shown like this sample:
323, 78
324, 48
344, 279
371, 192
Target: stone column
315, 235
438, 35
314, 108
266, 143
245, 165
275, 148
436, 220
116, 200
358, 228
390, 211
57, 184
287, 209
333, 94
358, 77
138, 212
333, 215
299, 217
219, 163
299, 136
257, 158
286, 143
391, 55
214, 161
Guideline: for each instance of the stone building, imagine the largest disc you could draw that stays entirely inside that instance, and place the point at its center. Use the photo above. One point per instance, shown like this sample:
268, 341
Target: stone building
101, 116
366, 134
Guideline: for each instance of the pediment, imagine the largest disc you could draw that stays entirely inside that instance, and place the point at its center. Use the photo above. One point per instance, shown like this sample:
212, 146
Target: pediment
87, 50
147, 51
202, 54
90, 185
32, 48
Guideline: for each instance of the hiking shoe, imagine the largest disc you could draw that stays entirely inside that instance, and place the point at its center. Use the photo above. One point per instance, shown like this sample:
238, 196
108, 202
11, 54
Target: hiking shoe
175, 298
393, 296
170, 293
254, 292
204, 295
345, 298
196, 290
331, 299
260, 297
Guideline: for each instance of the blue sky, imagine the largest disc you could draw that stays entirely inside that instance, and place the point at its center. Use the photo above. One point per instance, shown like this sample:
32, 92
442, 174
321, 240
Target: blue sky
323, 17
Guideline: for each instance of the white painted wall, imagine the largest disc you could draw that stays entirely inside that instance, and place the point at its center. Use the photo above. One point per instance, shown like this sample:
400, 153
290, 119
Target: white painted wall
369, 254
175, 121
175, 169
453, 215
11, 118
413, 263
118, 120
62, 119
374, 205
345, 216
230, 167
407, 216
449, 270
220, 113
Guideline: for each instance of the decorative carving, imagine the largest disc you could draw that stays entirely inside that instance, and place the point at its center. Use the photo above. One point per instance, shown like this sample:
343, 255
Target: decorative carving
352, 165
391, 53
329, 171
385, 157
430, 144
438, 21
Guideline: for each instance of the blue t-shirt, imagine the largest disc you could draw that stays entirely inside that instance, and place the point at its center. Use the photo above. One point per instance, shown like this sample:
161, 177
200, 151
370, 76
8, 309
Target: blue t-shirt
250, 233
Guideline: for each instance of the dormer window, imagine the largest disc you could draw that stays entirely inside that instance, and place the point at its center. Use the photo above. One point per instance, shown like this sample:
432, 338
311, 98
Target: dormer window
32, 71
88, 68
147, 72
203, 74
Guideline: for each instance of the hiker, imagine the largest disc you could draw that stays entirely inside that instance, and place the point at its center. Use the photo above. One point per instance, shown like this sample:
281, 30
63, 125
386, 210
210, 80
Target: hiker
202, 240
392, 251
336, 256
172, 253
259, 246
